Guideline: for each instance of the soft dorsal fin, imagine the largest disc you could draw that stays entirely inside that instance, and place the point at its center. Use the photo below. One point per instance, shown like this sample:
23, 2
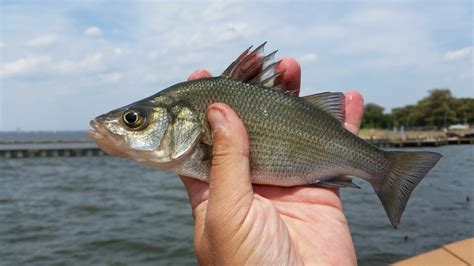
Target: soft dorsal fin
332, 103
255, 67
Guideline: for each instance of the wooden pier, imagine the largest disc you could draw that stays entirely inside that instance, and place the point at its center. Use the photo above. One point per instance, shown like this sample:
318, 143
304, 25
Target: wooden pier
28, 153
49, 149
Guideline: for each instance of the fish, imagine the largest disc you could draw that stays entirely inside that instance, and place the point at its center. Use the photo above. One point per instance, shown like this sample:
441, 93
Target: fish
293, 140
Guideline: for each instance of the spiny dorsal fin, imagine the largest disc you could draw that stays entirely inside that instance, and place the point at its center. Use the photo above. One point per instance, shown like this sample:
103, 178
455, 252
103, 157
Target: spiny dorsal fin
332, 103
255, 67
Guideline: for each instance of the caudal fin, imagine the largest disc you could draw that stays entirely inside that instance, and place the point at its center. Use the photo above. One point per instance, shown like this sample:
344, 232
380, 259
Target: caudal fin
407, 170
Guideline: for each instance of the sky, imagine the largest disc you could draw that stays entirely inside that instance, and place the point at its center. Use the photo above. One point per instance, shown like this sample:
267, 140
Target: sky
65, 62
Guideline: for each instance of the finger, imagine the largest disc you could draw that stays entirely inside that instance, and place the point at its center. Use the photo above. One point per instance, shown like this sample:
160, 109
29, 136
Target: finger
198, 191
230, 188
291, 77
198, 74
354, 111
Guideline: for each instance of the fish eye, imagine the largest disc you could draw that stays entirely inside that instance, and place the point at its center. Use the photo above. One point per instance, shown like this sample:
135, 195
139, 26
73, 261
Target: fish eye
134, 119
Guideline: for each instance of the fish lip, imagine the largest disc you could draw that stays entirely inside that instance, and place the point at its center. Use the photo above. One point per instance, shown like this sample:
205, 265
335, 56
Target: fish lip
94, 124
96, 132
103, 137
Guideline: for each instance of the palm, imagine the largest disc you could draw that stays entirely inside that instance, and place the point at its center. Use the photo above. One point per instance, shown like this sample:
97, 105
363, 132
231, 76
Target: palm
283, 225
313, 216
303, 219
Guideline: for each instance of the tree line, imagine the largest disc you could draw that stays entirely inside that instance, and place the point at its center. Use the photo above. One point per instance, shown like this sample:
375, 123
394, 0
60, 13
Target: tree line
436, 111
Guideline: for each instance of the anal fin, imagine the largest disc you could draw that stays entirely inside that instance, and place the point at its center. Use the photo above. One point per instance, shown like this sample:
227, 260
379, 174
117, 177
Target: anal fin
336, 182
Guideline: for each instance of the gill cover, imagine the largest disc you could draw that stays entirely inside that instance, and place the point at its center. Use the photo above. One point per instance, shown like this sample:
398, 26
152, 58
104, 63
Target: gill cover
184, 132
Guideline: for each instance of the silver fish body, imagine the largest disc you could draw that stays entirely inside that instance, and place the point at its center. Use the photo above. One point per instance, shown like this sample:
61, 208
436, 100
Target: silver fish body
293, 140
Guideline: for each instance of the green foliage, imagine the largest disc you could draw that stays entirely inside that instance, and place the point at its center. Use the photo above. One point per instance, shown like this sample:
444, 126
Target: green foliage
464, 110
374, 117
439, 109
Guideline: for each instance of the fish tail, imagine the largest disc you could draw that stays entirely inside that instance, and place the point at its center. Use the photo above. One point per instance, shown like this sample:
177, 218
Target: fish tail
406, 171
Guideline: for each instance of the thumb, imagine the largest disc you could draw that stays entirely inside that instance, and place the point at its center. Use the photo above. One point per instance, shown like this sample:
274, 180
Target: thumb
230, 188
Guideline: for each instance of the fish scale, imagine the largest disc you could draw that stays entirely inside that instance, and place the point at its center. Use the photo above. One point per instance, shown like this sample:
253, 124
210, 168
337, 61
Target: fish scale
292, 140
288, 115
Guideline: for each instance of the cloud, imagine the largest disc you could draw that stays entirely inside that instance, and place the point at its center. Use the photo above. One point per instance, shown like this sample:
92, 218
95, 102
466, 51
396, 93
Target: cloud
42, 41
90, 62
157, 77
309, 57
93, 32
48, 67
111, 77
23, 65
458, 54
196, 39
118, 51
154, 54
380, 17
378, 48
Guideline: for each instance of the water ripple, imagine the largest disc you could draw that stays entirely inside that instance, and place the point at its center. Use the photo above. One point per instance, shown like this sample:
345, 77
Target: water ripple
108, 211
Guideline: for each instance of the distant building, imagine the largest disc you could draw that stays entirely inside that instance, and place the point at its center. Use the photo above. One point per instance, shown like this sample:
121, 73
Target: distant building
458, 127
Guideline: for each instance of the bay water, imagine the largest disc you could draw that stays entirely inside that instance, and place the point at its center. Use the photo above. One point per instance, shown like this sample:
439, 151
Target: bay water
110, 211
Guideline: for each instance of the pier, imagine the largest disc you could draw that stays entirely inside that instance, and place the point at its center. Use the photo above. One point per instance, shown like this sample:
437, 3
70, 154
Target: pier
29, 149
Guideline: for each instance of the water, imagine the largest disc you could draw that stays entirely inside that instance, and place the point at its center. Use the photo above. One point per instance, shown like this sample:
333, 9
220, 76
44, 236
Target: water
438, 211
108, 211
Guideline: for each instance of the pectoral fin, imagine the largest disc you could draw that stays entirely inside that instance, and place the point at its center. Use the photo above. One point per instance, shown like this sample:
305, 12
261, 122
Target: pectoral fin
207, 150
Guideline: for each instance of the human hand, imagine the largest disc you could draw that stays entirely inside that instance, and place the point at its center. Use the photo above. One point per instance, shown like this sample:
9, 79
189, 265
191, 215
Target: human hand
240, 223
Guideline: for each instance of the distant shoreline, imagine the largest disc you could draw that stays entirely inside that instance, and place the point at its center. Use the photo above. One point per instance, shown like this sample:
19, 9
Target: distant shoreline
371, 134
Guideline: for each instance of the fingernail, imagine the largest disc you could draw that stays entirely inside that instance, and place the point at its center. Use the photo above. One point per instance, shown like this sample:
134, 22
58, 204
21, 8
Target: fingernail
199, 74
216, 119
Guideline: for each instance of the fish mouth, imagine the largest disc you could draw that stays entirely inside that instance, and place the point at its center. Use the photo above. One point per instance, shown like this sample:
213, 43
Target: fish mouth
106, 140
115, 145
96, 132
